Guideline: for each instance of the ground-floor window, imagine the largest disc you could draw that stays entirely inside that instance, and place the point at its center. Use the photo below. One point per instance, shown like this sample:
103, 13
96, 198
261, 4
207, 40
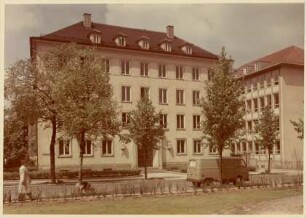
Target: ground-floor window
277, 147
107, 148
212, 150
181, 146
64, 148
88, 151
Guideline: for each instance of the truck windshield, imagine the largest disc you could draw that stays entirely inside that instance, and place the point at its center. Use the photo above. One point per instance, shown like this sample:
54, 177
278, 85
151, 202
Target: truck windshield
192, 163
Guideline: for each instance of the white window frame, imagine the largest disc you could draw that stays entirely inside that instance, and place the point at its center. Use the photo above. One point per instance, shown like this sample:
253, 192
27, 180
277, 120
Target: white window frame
144, 69
162, 71
163, 120
126, 94
86, 154
105, 62
163, 96
276, 103
145, 44
196, 98
196, 122
125, 67
180, 121
66, 151
146, 91
125, 119
188, 49
212, 151
197, 146
250, 127
195, 74
179, 72
121, 41
180, 97
105, 147
181, 147
255, 103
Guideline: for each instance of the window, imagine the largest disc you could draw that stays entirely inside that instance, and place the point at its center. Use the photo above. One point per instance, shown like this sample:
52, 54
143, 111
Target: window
254, 83
255, 103
64, 148
107, 148
197, 147
276, 100
96, 38
121, 41
195, 74
277, 124
125, 67
188, 49
126, 94
144, 69
125, 119
233, 148
244, 147
262, 81
255, 125
195, 97
276, 78
163, 120
162, 71
196, 122
179, 97
262, 103
179, 72
167, 46
180, 146
249, 85
268, 79
163, 96
210, 74
269, 104
105, 64
180, 124
250, 147
88, 148
145, 44
238, 149
277, 147
249, 105
212, 150
257, 148
256, 66
144, 92
250, 127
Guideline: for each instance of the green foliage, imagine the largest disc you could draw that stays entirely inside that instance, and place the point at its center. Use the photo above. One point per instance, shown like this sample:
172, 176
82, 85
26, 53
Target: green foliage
268, 130
144, 127
299, 127
222, 105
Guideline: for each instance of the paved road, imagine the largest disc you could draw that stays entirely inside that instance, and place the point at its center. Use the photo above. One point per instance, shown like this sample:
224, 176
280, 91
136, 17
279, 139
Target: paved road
289, 205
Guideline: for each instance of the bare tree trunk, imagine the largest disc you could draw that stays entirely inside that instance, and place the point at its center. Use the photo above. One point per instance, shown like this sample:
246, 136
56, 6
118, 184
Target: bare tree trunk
52, 150
82, 145
269, 168
220, 159
145, 162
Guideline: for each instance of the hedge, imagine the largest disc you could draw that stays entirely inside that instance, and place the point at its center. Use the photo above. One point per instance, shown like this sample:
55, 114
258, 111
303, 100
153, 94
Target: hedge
67, 174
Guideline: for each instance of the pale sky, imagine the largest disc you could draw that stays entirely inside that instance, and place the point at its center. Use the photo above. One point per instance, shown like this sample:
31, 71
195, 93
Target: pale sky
248, 31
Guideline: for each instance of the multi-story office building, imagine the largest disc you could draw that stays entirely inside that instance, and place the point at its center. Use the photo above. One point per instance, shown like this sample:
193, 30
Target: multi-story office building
170, 70
276, 80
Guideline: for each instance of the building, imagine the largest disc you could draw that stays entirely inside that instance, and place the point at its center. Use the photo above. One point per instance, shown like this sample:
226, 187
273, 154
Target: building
276, 80
169, 69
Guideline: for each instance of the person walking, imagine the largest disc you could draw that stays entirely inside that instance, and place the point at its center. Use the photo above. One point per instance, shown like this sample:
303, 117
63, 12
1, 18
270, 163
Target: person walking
24, 184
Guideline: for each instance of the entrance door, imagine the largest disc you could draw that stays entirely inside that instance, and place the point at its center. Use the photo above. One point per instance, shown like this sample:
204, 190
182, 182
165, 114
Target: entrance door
141, 161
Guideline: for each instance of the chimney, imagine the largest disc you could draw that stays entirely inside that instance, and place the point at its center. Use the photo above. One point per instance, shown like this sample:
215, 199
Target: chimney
170, 31
87, 20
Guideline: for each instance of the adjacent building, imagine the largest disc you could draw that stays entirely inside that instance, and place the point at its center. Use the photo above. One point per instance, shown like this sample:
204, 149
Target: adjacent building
276, 80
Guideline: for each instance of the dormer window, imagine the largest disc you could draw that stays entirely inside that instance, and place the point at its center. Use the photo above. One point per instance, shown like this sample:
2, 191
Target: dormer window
143, 42
186, 48
120, 40
95, 37
167, 46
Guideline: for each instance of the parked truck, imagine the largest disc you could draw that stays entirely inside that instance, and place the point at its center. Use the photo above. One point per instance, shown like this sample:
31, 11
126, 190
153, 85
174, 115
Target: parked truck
206, 171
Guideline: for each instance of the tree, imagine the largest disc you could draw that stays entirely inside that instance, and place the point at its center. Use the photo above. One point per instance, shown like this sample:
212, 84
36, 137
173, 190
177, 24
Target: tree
144, 128
268, 129
299, 127
15, 139
84, 97
28, 89
222, 107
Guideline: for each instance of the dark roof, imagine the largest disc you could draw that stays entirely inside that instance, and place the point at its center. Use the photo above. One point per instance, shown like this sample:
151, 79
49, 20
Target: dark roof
79, 34
290, 55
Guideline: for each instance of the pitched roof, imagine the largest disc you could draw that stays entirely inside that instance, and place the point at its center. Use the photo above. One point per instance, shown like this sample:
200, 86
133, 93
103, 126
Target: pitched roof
291, 54
79, 34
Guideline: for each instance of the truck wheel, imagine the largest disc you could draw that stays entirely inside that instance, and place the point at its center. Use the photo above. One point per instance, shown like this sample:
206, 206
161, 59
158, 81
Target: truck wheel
196, 184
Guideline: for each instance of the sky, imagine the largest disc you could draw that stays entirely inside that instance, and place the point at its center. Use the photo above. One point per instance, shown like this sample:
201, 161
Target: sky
248, 31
